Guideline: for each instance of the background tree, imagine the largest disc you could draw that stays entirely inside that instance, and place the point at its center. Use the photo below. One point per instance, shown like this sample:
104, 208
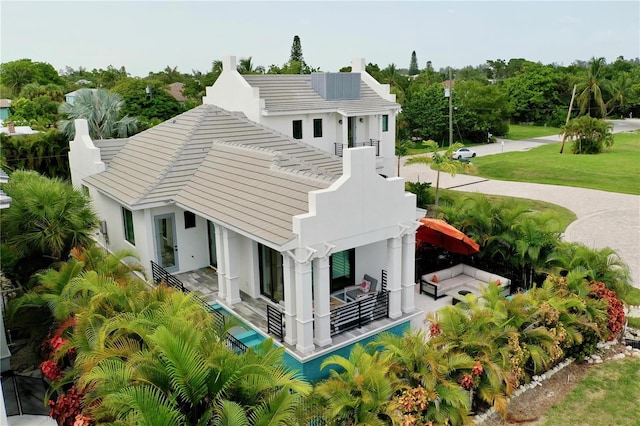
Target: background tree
246, 66
46, 219
101, 109
296, 51
441, 160
591, 87
38, 105
156, 106
413, 66
45, 152
17, 74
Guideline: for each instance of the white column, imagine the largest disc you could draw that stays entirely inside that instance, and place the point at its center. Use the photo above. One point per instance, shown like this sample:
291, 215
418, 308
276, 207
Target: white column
290, 325
232, 279
345, 133
408, 272
222, 256
321, 295
304, 305
394, 276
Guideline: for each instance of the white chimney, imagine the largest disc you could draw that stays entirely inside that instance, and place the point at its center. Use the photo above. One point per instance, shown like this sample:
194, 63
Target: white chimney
229, 63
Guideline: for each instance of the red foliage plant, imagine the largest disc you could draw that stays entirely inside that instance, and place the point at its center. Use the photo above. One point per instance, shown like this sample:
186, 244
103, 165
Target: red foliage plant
51, 370
67, 408
615, 311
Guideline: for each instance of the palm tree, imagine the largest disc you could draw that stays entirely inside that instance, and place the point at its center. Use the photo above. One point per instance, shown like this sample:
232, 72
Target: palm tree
101, 109
589, 135
441, 160
362, 393
419, 362
591, 88
245, 66
46, 219
622, 90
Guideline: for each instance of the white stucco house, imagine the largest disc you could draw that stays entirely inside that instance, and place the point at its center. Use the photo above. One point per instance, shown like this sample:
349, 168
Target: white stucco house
330, 111
281, 222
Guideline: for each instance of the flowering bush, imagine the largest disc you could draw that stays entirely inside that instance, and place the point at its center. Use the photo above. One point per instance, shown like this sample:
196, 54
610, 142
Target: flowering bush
615, 310
67, 409
413, 403
434, 329
51, 370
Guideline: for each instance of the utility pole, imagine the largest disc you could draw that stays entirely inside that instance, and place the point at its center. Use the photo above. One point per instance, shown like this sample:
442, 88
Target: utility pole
573, 95
450, 109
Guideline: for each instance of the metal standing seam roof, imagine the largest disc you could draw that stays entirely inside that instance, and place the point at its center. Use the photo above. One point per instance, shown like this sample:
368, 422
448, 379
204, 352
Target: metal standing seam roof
222, 166
293, 92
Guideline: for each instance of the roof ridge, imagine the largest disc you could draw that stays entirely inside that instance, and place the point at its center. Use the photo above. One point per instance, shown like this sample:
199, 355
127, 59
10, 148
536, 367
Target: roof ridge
178, 152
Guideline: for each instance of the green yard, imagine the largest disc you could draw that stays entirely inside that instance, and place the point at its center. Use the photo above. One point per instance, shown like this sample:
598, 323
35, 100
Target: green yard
615, 170
519, 131
609, 395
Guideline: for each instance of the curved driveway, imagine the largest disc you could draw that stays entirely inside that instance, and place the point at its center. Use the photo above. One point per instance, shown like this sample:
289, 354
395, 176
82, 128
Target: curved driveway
604, 219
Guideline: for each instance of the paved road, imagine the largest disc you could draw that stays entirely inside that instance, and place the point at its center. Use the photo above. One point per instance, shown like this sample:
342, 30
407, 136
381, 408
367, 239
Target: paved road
604, 219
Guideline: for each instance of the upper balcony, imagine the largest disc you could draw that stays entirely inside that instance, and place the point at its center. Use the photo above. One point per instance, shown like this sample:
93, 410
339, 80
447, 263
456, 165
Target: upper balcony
339, 148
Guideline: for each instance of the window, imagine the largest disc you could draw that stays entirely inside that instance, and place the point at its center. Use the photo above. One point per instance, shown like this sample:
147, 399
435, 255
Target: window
342, 266
385, 123
127, 218
317, 127
189, 220
297, 129
271, 277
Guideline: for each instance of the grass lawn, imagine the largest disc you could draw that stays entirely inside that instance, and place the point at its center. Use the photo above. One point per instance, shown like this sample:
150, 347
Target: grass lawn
519, 131
615, 170
632, 297
610, 395
634, 322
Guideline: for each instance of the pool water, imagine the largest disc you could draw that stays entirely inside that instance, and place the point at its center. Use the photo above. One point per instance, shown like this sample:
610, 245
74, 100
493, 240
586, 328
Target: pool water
242, 332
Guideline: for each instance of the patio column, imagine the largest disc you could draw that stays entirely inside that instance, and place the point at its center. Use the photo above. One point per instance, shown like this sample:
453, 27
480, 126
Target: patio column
222, 256
290, 327
394, 276
321, 295
232, 279
408, 272
345, 132
304, 305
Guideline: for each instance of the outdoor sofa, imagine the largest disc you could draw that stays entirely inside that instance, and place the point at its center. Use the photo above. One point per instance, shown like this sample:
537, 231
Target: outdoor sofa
436, 284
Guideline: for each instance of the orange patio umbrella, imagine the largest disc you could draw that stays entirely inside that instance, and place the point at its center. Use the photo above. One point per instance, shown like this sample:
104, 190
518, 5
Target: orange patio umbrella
439, 233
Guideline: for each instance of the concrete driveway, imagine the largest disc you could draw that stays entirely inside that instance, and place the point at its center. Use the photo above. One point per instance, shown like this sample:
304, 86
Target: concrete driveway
604, 219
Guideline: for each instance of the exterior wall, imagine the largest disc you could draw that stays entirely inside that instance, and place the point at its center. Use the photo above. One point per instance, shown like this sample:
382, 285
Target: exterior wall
233, 93
370, 259
371, 208
84, 157
330, 128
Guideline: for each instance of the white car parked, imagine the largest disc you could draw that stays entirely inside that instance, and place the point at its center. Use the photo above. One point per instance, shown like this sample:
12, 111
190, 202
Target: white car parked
463, 153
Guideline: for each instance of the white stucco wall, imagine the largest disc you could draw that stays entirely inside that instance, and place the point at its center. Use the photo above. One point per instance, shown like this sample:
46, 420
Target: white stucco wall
360, 208
84, 157
233, 93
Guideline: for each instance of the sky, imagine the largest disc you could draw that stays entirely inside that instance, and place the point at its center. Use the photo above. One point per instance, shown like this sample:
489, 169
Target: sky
147, 36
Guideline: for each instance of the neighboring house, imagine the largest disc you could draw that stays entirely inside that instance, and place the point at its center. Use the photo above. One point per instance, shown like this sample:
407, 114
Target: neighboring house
5, 108
281, 222
70, 97
331, 111
175, 90
13, 130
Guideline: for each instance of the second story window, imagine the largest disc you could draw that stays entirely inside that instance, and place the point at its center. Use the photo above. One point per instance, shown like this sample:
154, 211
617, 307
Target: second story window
317, 127
297, 129
385, 123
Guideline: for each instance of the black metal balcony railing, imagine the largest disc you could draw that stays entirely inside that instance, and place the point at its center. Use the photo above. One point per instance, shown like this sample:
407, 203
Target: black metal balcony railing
371, 142
160, 275
360, 312
275, 322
